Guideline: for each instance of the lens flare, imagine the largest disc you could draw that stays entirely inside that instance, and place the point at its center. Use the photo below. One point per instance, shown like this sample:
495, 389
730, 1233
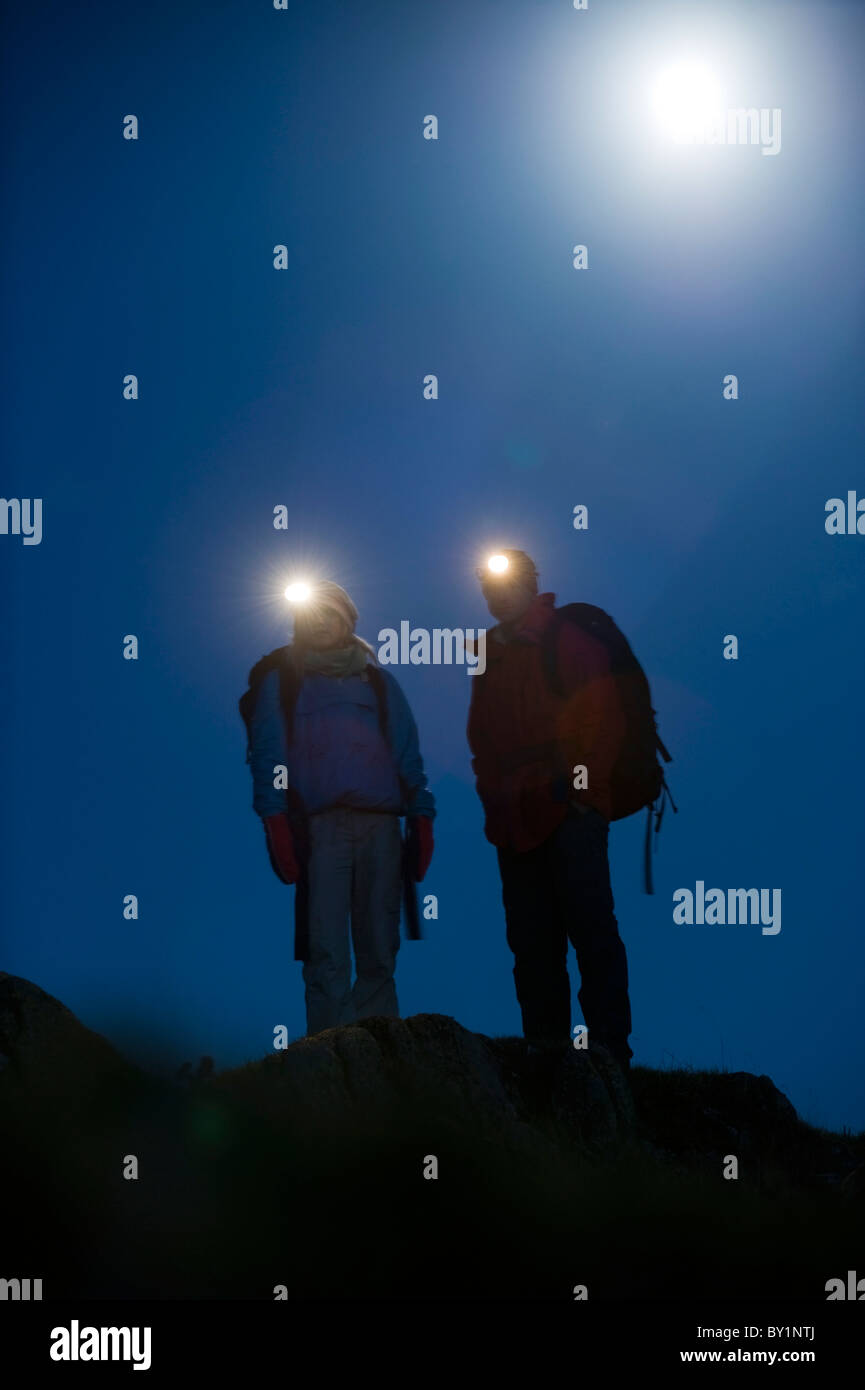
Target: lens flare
298, 591
497, 564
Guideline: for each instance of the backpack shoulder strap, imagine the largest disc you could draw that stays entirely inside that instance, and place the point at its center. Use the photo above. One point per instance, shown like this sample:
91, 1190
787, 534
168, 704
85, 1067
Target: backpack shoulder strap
278, 659
376, 679
584, 616
264, 665
290, 678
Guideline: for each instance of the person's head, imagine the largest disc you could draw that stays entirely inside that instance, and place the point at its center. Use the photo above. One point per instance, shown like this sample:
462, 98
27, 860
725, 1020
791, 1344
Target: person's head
509, 589
327, 619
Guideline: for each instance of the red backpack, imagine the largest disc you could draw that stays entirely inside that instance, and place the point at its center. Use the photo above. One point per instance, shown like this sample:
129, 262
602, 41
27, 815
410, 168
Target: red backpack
637, 778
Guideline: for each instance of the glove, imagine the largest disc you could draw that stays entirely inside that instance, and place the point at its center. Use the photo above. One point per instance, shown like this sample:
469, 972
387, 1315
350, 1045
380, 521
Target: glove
420, 841
280, 847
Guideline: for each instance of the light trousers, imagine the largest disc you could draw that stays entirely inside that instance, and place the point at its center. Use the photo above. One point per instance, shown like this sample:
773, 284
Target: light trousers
355, 884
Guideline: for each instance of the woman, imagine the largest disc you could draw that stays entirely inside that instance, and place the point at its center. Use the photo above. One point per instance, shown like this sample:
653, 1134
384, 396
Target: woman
335, 763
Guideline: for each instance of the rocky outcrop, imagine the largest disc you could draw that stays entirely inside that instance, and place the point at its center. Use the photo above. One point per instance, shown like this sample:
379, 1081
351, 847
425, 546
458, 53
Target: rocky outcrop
45, 1049
308, 1168
380, 1070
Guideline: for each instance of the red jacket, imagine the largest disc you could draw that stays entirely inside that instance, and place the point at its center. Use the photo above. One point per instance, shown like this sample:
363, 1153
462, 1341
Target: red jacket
526, 740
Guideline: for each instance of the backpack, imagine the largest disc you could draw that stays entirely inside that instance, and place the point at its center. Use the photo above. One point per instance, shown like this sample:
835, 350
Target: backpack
637, 778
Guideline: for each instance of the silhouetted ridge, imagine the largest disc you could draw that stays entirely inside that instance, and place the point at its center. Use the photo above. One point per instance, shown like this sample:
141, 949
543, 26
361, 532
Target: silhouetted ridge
306, 1168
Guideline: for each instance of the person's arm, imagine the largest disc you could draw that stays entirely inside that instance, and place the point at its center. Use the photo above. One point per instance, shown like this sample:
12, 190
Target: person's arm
584, 668
475, 738
420, 803
405, 747
267, 748
267, 752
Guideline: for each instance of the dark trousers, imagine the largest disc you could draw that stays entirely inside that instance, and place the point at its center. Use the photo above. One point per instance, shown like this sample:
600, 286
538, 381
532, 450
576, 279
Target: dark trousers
554, 894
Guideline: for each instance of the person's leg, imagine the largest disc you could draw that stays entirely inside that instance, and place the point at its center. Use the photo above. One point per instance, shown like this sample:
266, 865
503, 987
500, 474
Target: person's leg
376, 902
327, 971
538, 939
585, 895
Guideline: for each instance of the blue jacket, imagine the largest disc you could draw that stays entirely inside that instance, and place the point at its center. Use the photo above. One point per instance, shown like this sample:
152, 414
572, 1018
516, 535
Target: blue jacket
337, 755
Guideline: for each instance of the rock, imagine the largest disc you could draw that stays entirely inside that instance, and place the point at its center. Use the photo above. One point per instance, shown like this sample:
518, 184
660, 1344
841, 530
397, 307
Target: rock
435, 1063
46, 1049
852, 1186
307, 1167
392, 1076
591, 1099
760, 1098
306, 1082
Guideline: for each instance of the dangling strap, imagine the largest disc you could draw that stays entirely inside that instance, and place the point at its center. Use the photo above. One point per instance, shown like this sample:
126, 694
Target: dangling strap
664, 754
661, 803
647, 854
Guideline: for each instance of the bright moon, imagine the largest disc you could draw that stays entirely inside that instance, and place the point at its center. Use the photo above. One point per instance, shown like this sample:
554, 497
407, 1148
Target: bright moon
686, 99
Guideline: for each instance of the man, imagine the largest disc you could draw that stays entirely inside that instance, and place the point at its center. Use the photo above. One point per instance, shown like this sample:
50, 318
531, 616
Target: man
342, 728
528, 739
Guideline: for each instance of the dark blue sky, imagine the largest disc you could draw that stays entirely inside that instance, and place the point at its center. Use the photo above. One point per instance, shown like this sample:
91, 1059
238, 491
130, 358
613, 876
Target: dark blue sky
557, 387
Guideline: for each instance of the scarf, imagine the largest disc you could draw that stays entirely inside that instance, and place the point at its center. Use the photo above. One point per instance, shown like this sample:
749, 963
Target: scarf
339, 662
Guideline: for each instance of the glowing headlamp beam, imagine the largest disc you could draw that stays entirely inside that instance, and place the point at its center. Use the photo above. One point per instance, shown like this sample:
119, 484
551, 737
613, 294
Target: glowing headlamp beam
497, 564
298, 591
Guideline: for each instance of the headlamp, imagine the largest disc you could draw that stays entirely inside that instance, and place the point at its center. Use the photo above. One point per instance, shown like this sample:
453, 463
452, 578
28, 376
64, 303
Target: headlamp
298, 591
493, 568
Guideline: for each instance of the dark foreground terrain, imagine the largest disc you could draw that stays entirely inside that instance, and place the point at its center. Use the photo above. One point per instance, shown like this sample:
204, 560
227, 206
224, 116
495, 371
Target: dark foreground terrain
306, 1170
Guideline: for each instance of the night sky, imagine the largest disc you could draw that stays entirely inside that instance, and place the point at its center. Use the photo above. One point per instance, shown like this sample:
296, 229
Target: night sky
303, 387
